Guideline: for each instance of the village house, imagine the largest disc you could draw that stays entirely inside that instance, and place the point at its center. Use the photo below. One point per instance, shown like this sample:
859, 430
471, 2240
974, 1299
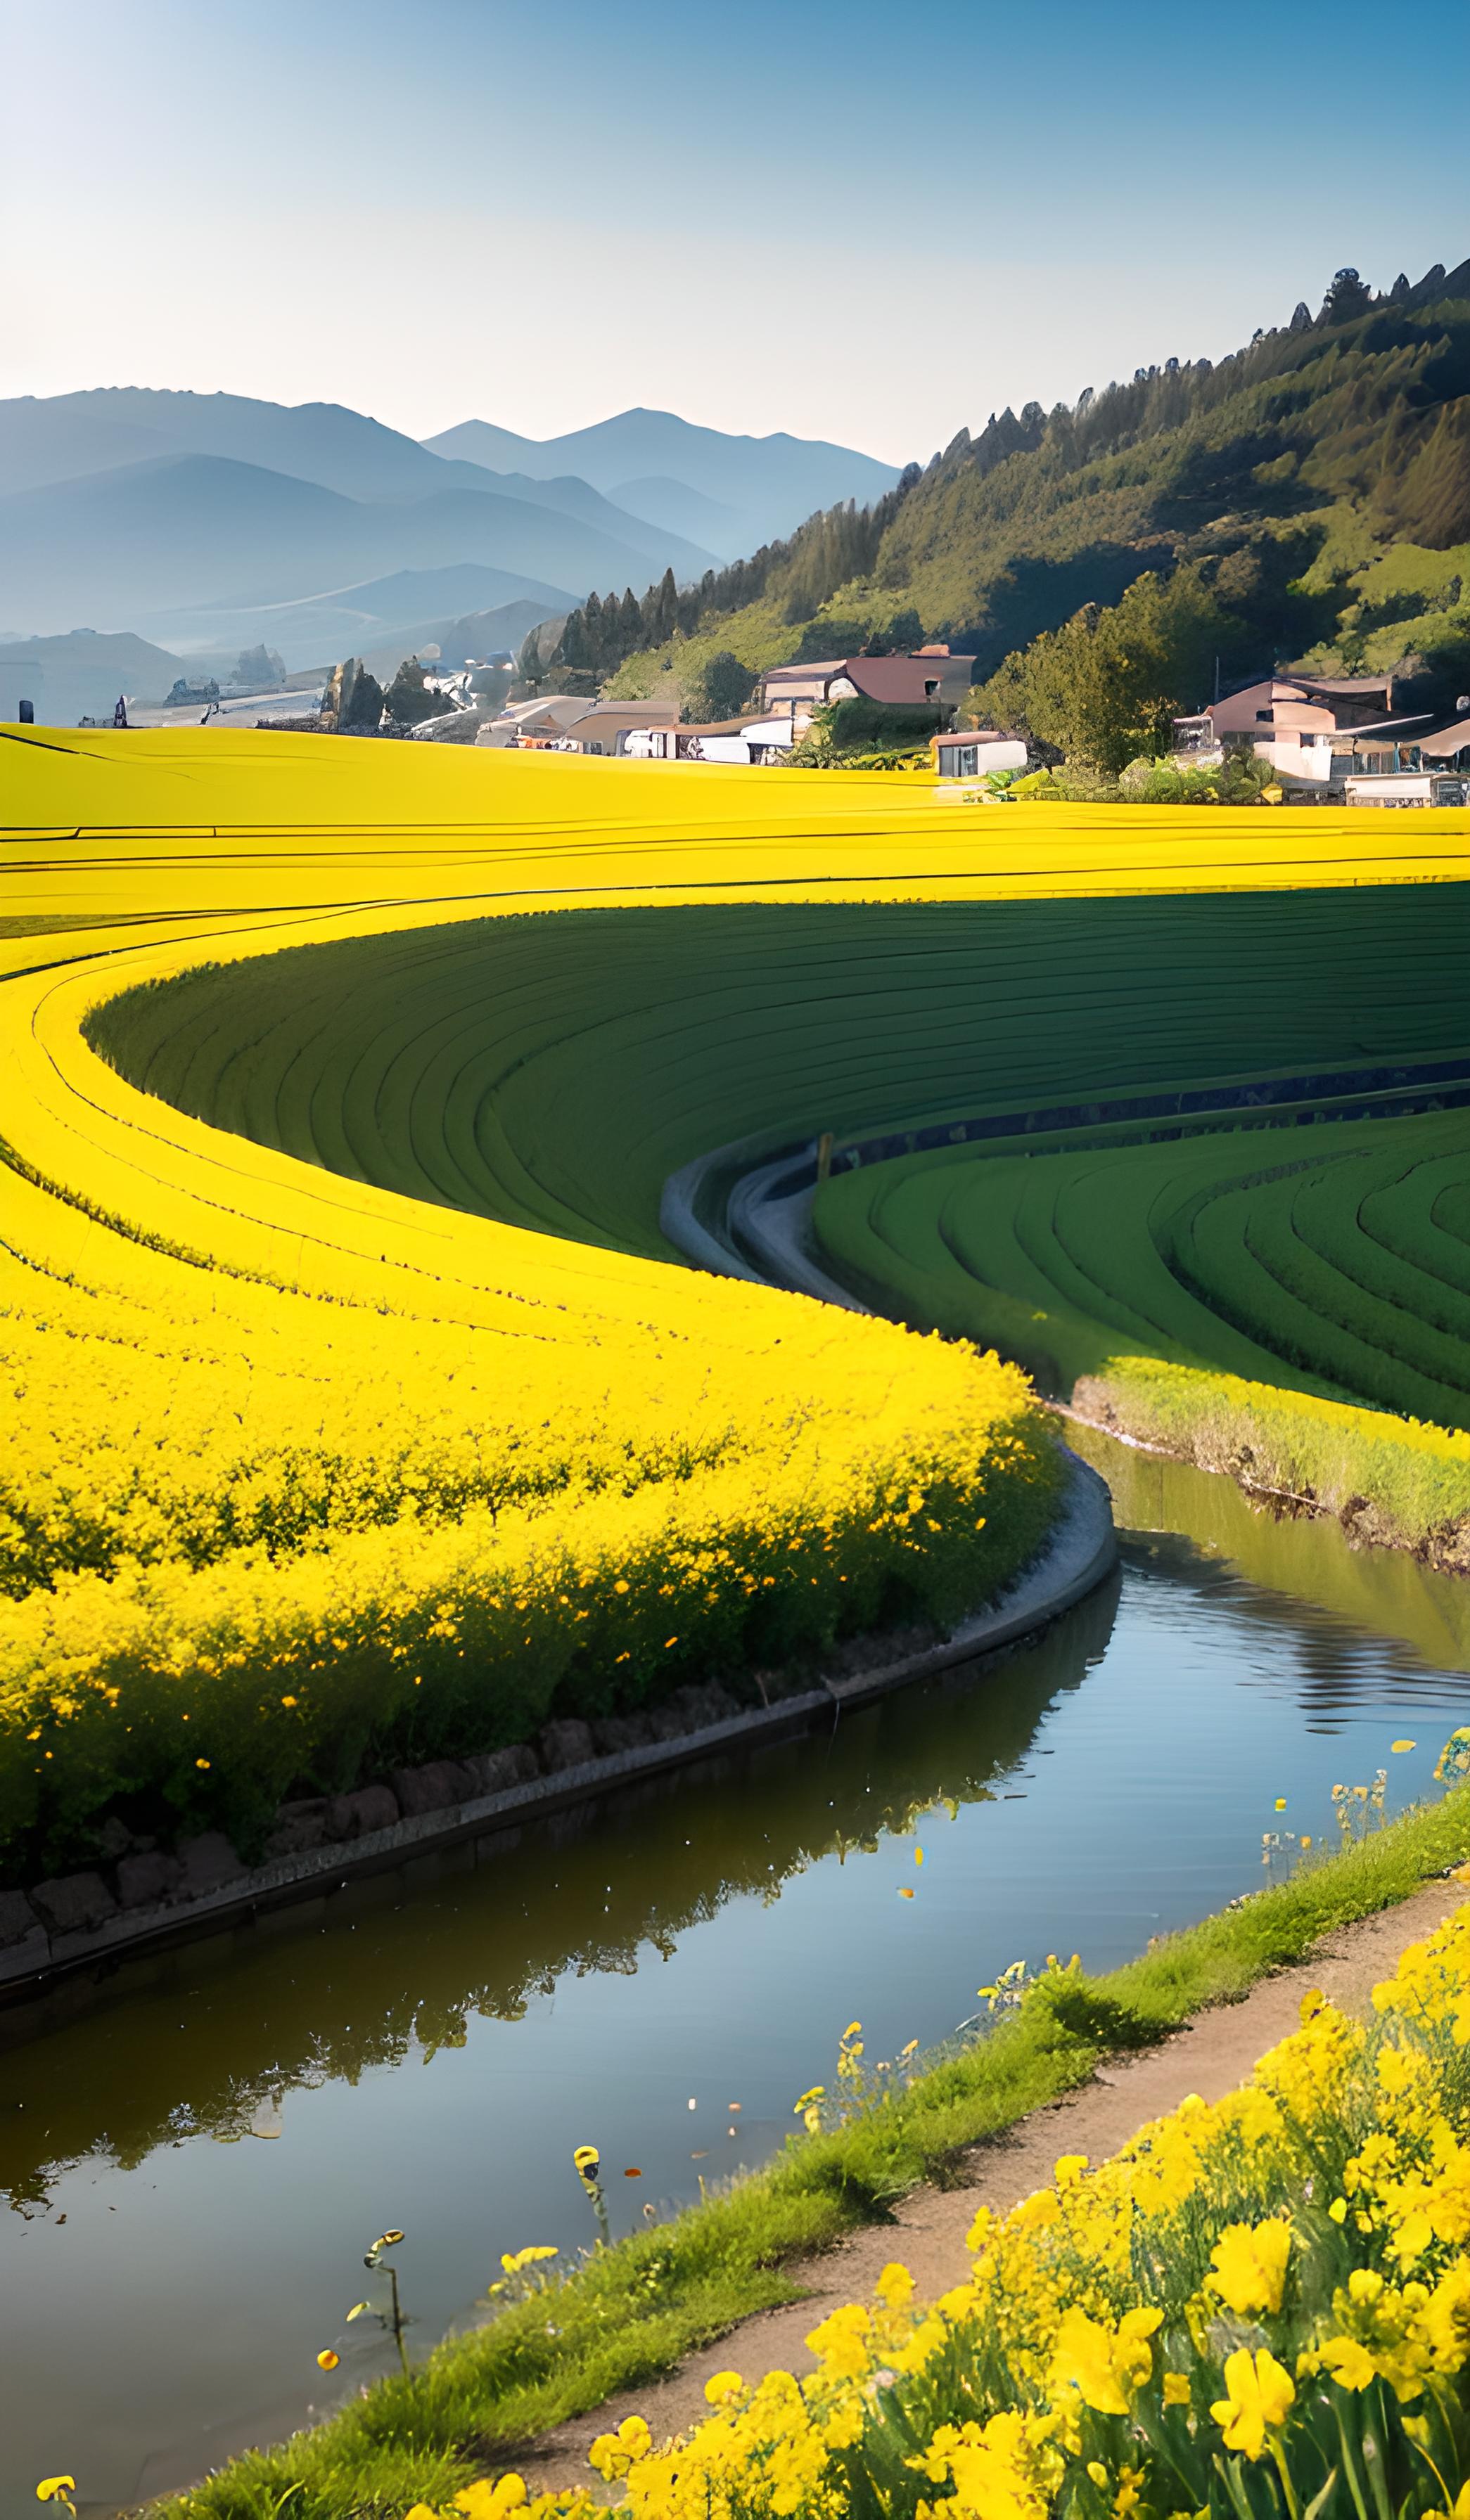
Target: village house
1450, 749
607, 725
1319, 729
975, 752
757, 741
929, 677
1433, 770
535, 723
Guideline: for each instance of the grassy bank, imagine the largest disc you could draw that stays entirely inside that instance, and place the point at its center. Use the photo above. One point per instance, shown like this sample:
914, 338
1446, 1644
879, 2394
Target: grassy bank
632, 2312
1253, 2311
1389, 1479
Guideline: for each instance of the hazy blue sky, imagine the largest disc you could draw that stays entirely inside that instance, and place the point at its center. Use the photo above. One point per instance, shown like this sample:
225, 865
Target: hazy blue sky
868, 222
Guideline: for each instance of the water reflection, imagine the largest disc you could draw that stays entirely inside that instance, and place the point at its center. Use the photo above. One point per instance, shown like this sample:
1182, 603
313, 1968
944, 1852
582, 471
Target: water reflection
580, 1893
1385, 1591
198, 2161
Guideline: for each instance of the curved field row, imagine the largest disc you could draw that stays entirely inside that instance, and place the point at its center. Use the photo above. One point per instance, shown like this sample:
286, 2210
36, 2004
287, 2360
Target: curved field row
1325, 1269
552, 1072
358, 1424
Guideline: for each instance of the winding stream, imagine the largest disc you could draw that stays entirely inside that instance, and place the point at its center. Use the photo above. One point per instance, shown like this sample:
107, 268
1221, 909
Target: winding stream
196, 2163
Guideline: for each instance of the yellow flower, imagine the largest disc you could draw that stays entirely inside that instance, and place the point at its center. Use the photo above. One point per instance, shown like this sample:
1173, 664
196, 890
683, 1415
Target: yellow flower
895, 2286
327, 2359
613, 2454
482, 2501
1443, 2322
1351, 2364
57, 2488
1250, 2266
1261, 2397
1176, 2389
723, 2388
1105, 2365
840, 2343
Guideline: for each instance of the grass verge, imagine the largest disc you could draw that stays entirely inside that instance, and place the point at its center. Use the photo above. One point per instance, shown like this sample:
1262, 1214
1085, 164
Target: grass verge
1391, 1480
630, 2313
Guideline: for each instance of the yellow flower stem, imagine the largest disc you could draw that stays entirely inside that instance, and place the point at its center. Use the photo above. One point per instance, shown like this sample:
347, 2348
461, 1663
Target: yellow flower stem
1350, 2465
1373, 2463
1235, 2487
1447, 2497
398, 2321
1278, 2457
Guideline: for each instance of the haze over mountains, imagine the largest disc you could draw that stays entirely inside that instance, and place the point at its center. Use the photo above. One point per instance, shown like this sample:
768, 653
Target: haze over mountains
209, 521
731, 493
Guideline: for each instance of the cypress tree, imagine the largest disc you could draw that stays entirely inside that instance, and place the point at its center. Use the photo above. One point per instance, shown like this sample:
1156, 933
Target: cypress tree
592, 629
576, 652
661, 612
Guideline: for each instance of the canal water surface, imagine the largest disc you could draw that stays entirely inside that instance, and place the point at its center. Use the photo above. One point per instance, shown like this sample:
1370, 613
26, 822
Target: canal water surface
196, 2163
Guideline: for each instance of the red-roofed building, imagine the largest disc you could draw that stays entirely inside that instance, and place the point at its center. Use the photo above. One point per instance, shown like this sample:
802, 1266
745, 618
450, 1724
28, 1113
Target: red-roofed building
928, 678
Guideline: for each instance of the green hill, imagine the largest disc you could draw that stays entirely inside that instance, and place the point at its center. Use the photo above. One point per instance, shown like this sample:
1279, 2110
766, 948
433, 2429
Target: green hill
1318, 480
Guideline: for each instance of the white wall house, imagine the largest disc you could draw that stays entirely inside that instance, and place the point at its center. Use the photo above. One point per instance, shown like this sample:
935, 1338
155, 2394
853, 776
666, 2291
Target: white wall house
1310, 727
744, 740
976, 751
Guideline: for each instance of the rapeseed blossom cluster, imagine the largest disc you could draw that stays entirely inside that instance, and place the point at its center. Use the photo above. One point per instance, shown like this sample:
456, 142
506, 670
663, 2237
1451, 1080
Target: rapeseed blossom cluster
280, 1536
299, 1483
1258, 2309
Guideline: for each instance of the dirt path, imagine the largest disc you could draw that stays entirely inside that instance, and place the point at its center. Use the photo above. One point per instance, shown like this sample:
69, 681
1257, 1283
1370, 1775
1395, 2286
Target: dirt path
1210, 2055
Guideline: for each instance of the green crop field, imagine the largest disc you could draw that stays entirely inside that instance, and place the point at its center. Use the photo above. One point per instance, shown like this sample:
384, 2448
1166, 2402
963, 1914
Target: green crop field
551, 1071
1334, 1260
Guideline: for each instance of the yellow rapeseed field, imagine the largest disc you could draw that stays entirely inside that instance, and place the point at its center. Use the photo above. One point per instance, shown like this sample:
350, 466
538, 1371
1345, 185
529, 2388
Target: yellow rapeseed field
307, 1474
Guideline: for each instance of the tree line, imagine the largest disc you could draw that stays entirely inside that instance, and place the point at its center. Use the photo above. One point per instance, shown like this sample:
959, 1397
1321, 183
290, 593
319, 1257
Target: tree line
798, 574
947, 538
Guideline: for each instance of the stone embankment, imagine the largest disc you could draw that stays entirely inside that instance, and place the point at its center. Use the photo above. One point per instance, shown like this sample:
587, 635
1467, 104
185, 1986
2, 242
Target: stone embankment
139, 1893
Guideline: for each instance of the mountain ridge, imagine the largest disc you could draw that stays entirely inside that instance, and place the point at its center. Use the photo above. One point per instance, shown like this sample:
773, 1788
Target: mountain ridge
186, 532
772, 484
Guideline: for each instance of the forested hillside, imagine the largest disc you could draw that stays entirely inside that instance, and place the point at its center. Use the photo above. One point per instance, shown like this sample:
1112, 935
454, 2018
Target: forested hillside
1318, 483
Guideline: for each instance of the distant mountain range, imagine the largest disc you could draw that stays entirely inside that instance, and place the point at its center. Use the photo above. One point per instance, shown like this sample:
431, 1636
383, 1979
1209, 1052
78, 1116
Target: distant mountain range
184, 546
731, 493
81, 674
411, 606
210, 521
